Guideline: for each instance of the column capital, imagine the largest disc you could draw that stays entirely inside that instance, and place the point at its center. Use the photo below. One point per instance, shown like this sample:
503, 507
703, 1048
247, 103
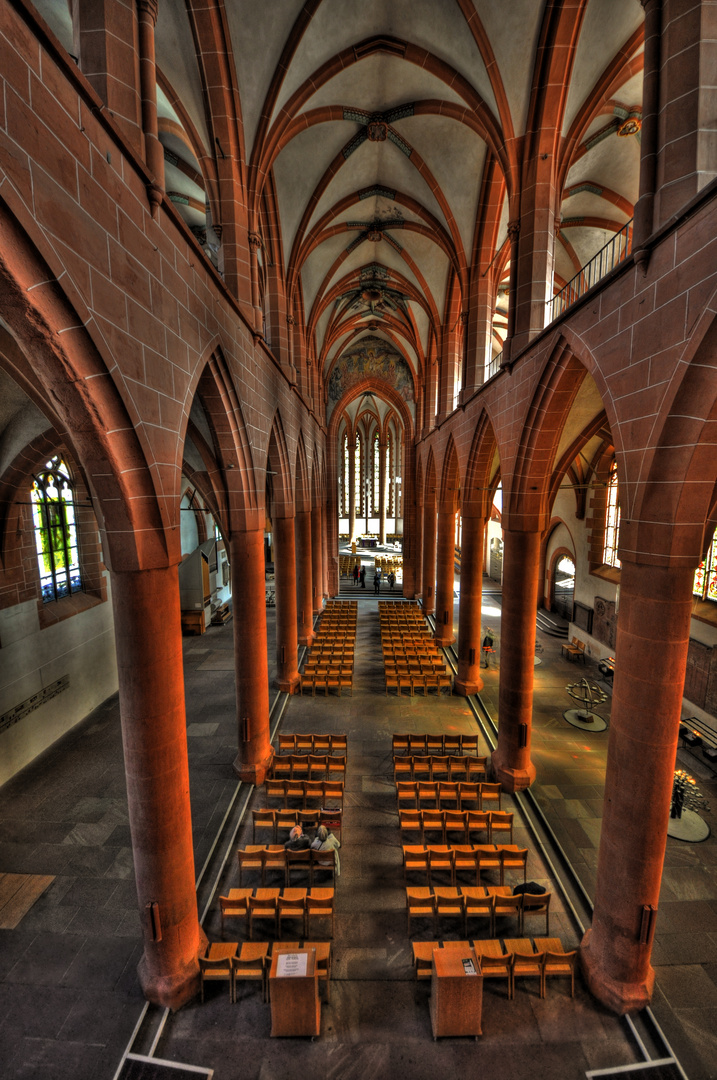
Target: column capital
148, 7
514, 229
255, 242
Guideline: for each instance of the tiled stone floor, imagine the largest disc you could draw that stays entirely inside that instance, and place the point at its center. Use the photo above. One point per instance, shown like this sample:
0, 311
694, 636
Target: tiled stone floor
69, 997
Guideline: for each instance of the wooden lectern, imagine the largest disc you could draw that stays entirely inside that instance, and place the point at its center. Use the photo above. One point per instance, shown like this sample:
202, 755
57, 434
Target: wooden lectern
294, 992
456, 993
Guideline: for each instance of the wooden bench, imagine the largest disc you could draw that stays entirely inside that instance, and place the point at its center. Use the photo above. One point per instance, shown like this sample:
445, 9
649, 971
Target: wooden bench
700, 738
607, 667
574, 649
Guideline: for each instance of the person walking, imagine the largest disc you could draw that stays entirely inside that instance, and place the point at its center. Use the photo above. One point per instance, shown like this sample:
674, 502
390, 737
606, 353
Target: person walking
356, 574
377, 582
487, 646
362, 577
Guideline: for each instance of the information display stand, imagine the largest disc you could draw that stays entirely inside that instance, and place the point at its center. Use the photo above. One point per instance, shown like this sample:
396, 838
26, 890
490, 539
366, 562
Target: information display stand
294, 993
456, 993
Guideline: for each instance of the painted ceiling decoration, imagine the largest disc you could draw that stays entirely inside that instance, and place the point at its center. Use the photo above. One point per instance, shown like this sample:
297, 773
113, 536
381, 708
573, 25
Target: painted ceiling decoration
370, 358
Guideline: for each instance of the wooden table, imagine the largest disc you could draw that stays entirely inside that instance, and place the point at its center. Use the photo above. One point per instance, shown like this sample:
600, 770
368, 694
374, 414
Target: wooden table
295, 1004
456, 996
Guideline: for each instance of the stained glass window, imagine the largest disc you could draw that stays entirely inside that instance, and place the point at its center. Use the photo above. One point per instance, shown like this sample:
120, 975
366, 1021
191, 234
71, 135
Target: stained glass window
357, 475
345, 477
53, 513
612, 521
376, 470
390, 486
705, 585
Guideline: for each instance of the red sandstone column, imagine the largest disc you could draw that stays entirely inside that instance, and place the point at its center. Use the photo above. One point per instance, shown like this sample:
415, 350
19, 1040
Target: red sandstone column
468, 679
651, 656
445, 574
417, 545
246, 553
325, 511
382, 492
317, 575
511, 758
304, 585
285, 578
153, 149
154, 735
429, 558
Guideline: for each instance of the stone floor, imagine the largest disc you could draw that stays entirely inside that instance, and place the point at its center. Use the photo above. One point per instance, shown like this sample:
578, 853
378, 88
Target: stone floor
69, 997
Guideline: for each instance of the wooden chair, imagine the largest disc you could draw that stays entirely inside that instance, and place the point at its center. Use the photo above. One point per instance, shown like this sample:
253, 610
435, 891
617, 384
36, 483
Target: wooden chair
234, 905
287, 744
333, 680
313, 790
323, 963
490, 793
526, 963
295, 789
494, 963
300, 767
421, 768
281, 767
456, 821
469, 744
323, 860
285, 820
332, 819
506, 907
449, 906
251, 963
400, 744
391, 681
264, 820
308, 819
417, 744
260, 909
427, 792
304, 744
339, 744
215, 971
513, 860
336, 765
478, 821
468, 860
433, 821
479, 904
318, 766
469, 796
448, 793
276, 789
333, 789
559, 964
273, 858
434, 744
318, 907
423, 958
537, 904
346, 680
415, 860
476, 768
440, 769
501, 821
410, 821
291, 908
248, 860
297, 860
441, 860
420, 904
406, 791
573, 650
321, 744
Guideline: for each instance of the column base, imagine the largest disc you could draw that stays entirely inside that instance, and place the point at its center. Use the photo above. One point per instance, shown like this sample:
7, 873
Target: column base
466, 687
254, 772
288, 685
175, 990
444, 640
512, 779
619, 997
308, 639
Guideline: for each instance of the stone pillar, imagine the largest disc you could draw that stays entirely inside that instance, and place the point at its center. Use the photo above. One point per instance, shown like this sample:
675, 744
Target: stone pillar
445, 574
285, 579
429, 558
352, 490
514, 237
255, 248
154, 736
317, 561
304, 586
325, 511
468, 680
246, 554
645, 205
382, 492
417, 546
651, 656
153, 149
511, 758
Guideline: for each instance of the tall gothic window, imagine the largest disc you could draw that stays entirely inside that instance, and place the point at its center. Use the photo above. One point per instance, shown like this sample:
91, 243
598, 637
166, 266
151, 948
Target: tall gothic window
345, 477
705, 585
357, 475
53, 513
612, 521
390, 475
376, 472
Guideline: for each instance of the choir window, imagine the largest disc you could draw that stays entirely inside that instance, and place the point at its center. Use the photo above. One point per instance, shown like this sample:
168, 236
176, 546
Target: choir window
53, 512
612, 521
705, 585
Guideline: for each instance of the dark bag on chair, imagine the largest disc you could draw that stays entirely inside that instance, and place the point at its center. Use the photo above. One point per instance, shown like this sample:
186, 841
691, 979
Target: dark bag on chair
531, 887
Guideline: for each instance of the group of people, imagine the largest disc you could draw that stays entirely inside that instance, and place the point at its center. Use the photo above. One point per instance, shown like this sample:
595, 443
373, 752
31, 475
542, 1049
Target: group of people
324, 840
359, 576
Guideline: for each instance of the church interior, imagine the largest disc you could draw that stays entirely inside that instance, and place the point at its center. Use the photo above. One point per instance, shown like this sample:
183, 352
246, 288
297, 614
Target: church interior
358, 427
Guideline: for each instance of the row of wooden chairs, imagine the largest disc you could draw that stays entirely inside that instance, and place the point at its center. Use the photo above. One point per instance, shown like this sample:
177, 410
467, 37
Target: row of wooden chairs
320, 766
546, 959
474, 902
307, 904
326, 678
277, 857
312, 744
254, 961
273, 821
412, 681
454, 859
434, 744
305, 790
491, 822
460, 793
437, 766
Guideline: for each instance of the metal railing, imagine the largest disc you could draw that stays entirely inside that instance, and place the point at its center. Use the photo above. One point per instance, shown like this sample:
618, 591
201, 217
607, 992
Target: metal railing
493, 366
616, 249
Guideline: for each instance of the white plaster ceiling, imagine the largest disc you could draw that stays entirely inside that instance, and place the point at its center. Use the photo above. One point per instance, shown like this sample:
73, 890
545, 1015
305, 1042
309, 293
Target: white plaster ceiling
20, 420
177, 58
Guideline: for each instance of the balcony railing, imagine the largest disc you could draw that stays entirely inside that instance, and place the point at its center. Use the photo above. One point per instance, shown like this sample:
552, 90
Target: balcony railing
493, 366
616, 249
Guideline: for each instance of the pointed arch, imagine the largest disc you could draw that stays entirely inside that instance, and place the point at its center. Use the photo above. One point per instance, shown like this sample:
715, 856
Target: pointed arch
449, 496
279, 480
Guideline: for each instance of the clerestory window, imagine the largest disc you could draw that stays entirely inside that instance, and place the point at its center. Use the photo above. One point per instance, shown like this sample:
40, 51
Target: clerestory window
705, 585
612, 521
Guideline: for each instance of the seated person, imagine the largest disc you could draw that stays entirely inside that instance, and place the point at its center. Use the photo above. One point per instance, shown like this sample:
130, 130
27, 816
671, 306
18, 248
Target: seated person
326, 841
298, 840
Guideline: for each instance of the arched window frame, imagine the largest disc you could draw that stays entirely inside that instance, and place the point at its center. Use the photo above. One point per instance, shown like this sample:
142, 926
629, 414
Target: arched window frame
612, 521
56, 534
345, 476
375, 472
390, 476
358, 477
705, 583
